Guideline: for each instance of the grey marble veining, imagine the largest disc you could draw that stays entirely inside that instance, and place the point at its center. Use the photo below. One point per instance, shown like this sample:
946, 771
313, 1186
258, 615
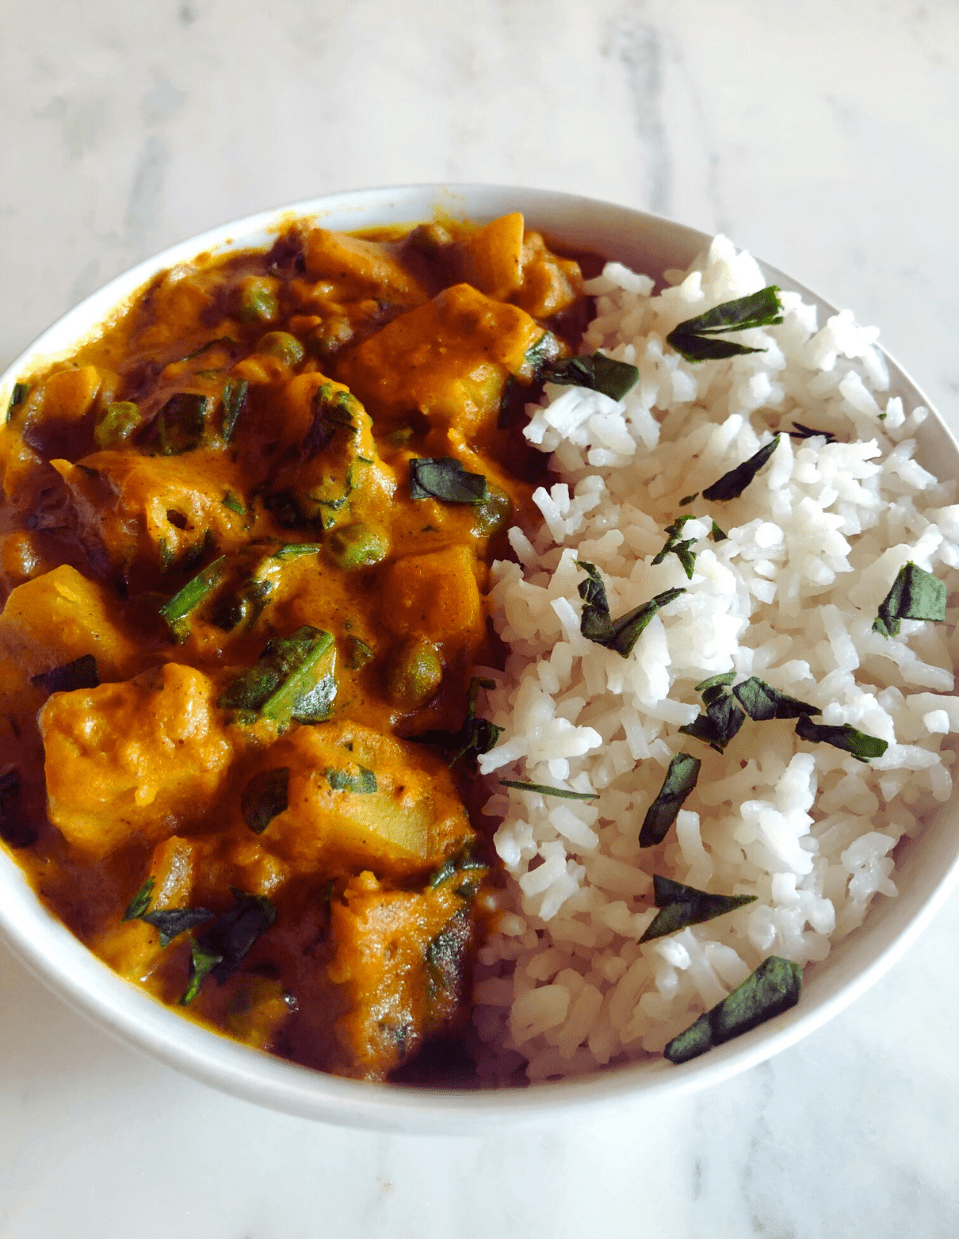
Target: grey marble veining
822, 137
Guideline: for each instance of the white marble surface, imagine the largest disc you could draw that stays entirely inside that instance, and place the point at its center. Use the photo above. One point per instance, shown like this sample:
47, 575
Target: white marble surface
819, 134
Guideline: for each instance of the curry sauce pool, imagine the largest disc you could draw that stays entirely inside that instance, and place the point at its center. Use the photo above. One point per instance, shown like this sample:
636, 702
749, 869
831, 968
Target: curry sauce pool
247, 530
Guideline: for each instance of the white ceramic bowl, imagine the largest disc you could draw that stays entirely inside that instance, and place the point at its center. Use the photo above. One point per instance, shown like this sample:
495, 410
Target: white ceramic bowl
926, 869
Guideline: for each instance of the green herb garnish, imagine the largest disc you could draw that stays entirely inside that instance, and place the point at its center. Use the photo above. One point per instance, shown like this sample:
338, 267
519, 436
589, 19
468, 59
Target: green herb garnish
799, 431
544, 789
597, 372
685, 905
233, 933
732, 484
688, 499
762, 702
265, 796
477, 735
363, 782
294, 679
769, 991
621, 634
679, 782
695, 338
140, 901
171, 922
81, 673
675, 545
717, 534
180, 607
179, 426
234, 504
915, 594
849, 739
293, 550
446, 479
17, 396
202, 962
723, 717
234, 401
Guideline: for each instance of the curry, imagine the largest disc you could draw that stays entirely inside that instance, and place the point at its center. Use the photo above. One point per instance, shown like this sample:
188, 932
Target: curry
246, 531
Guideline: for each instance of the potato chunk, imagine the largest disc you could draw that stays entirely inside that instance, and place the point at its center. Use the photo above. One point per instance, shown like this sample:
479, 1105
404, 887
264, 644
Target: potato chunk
448, 359
133, 759
435, 595
60, 616
356, 797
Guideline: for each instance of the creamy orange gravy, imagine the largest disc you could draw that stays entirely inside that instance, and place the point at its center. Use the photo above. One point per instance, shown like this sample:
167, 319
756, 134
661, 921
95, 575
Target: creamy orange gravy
236, 651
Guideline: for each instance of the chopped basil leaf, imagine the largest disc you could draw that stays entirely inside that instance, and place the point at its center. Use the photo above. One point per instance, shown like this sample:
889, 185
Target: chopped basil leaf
332, 409
761, 701
179, 426
845, 737
205, 348
294, 679
597, 372
81, 673
234, 400
675, 545
358, 653
769, 991
234, 504
799, 431
685, 905
444, 478
265, 796
17, 396
732, 484
723, 717
694, 338
202, 963
232, 934
140, 901
180, 607
477, 735
915, 594
463, 862
171, 922
546, 348
688, 499
244, 606
443, 874
545, 790
621, 634
363, 782
717, 534
293, 550
679, 782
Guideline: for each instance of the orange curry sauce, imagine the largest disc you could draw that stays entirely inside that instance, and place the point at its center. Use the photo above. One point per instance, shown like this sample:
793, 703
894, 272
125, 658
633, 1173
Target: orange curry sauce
236, 650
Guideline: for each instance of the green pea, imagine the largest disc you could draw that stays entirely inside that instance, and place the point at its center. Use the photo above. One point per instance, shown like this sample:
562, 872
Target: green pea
413, 674
257, 301
116, 423
494, 513
281, 344
357, 546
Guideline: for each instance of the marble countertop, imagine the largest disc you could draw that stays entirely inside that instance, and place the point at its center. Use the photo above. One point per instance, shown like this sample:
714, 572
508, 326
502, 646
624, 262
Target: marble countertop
817, 135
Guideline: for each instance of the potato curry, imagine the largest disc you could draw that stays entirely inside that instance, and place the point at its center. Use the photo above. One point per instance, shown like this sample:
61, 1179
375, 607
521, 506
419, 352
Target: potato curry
245, 537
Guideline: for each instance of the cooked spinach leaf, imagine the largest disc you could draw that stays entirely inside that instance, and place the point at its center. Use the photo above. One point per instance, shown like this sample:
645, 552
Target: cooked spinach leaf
732, 484
363, 781
595, 371
761, 701
769, 991
545, 790
445, 478
915, 594
685, 905
695, 338
265, 796
140, 901
861, 745
171, 922
81, 673
595, 622
679, 782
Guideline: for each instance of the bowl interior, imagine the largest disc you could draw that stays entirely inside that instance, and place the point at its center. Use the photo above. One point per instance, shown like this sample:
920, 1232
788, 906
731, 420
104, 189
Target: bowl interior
926, 868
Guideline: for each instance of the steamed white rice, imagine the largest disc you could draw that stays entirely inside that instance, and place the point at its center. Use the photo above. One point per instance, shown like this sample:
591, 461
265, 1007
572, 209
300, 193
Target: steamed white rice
814, 544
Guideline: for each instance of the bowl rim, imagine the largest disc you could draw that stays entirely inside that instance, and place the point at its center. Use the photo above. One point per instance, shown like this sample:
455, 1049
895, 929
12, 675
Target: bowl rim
50, 951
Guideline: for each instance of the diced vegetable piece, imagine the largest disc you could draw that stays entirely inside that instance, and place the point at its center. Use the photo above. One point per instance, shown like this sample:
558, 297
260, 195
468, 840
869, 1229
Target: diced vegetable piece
69, 394
435, 595
350, 261
61, 616
493, 257
409, 822
134, 758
